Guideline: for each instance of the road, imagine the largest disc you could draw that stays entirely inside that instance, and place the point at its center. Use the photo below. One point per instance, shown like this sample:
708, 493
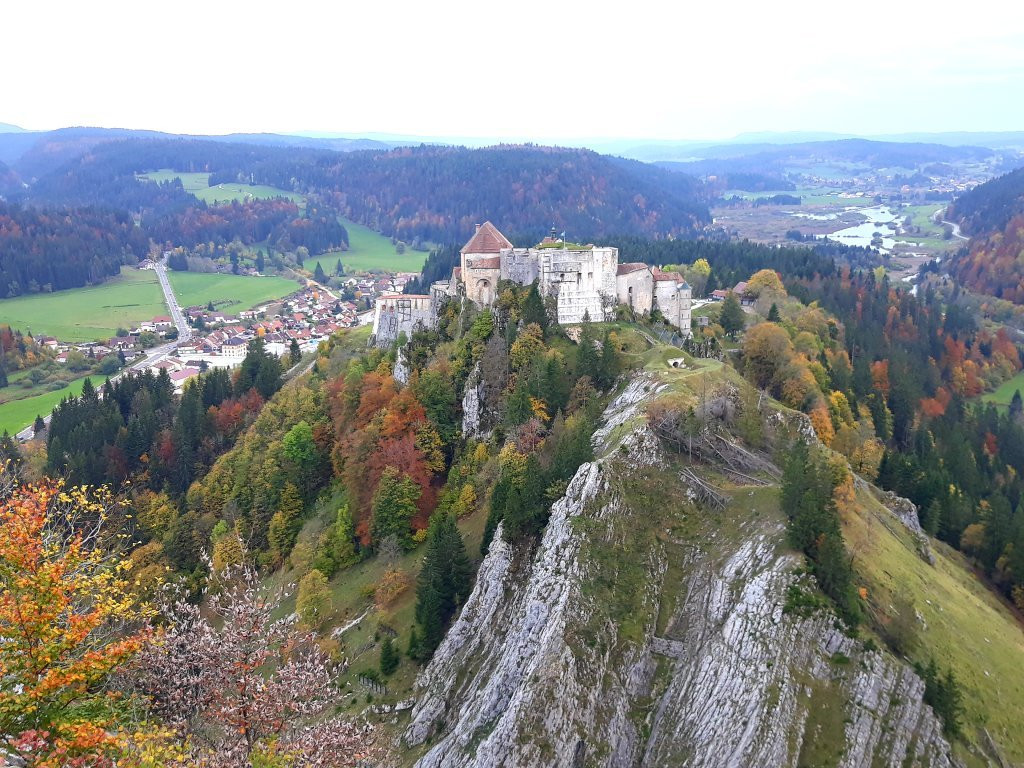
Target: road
184, 332
153, 355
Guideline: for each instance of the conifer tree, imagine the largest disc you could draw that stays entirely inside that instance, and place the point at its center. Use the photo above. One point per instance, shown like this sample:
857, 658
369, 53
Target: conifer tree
389, 657
773, 314
587, 361
394, 505
443, 582
286, 522
731, 317
38, 425
318, 274
1016, 405
533, 308
339, 270
294, 353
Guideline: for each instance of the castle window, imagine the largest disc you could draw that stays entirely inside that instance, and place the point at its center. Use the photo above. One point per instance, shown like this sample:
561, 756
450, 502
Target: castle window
590, 275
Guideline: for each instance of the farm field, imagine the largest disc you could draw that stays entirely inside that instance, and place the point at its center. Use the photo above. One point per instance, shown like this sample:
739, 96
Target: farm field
368, 251
91, 313
15, 415
230, 293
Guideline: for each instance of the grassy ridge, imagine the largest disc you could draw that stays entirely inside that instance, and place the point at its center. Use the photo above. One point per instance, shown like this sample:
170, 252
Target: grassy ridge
966, 627
229, 293
91, 313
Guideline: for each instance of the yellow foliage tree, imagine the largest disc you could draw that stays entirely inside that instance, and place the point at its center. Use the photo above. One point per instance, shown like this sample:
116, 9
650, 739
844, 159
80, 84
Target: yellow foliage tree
61, 595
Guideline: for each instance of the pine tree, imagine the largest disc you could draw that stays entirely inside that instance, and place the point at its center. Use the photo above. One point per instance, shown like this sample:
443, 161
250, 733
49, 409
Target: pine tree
209, 306
1016, 405
3, 372
339, 270
773, 314
38, 425
533, 308
587, 361
414, 650
318, 274
609, 368
261, 262
443, 582
286, 522
389, 657
394, 505
731, 317
294, 353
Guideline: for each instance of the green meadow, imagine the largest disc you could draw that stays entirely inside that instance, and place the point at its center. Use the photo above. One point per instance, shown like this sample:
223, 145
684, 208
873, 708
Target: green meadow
229, 293
15, 415
91, 313
369, 251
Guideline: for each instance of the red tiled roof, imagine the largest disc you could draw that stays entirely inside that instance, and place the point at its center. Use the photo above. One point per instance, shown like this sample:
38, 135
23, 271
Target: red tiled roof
661, 276
632, 266
486, 240
488, 262
457, 273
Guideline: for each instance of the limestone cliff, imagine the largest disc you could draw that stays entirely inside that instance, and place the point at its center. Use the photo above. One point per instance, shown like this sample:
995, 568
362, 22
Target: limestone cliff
648, 628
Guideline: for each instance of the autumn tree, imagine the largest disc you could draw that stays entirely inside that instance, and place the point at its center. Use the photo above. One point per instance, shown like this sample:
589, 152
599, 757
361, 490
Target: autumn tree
313, 598
66, 618
239, 686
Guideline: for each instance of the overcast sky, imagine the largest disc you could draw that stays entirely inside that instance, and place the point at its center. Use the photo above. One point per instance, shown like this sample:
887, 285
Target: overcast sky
542, 70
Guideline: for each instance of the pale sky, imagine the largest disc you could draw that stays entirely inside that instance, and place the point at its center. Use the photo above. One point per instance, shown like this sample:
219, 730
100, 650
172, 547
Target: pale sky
527, 69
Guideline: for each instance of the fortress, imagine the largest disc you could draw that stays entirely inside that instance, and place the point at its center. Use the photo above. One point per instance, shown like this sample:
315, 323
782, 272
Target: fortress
584, 280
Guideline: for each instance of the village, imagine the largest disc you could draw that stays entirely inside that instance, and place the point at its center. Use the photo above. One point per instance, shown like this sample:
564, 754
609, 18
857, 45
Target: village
220, 339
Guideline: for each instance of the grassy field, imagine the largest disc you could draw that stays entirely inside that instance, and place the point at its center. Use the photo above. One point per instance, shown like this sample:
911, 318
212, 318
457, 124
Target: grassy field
1004, 394
87, 314
15, 415
368, 251
192, 182
225, 193
199, 185
229, 293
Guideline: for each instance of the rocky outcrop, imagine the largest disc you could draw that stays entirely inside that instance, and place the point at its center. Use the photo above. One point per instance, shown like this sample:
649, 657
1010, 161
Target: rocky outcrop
646, 630
472, 403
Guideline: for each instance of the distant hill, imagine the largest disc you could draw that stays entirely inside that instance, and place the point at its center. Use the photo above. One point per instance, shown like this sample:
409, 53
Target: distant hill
993, 213
433, 194
35, 153
774, 158
8, 128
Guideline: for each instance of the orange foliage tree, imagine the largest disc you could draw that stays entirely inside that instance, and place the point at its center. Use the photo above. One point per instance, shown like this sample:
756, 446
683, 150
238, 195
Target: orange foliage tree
65, 609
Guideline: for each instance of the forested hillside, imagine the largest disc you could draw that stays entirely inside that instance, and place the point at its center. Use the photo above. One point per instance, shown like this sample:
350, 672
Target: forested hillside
432, 193
48, 250
994, 214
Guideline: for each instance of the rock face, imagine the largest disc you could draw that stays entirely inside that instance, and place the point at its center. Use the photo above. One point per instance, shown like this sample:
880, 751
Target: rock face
472, 402
646, 631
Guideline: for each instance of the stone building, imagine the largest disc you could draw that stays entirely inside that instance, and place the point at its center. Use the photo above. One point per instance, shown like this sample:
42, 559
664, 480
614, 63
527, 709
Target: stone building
401, 312
634, 285
672, 297
584, 280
